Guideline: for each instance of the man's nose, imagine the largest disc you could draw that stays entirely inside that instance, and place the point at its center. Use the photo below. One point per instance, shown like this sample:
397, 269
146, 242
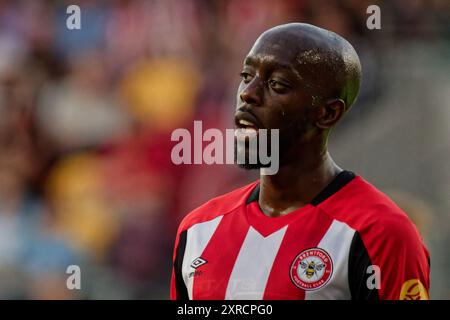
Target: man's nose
252, 92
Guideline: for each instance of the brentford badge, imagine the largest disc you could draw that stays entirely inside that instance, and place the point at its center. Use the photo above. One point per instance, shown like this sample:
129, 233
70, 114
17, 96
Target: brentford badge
311, 269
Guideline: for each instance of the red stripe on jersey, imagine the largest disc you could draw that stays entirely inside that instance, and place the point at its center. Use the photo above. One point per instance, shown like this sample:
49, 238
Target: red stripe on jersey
173, 289
228, 239
298, 237
217, 206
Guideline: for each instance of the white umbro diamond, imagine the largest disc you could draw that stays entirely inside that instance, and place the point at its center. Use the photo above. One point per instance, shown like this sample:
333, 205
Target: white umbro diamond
198, 262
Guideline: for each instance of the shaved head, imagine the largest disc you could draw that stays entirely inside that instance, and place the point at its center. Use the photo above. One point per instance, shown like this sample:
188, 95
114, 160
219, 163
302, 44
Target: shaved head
328, 64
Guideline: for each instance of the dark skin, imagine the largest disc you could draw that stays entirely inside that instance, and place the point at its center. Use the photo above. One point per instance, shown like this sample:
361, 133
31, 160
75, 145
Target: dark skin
301, 80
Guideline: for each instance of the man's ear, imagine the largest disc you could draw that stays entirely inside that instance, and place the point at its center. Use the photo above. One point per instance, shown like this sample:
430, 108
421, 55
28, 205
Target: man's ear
330, 113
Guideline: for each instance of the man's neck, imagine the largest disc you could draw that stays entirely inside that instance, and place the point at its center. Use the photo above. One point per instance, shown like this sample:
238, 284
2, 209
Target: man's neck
296, 184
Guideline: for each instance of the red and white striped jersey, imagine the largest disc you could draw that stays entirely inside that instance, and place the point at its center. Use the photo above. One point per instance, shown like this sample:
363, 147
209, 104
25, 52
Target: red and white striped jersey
350, 242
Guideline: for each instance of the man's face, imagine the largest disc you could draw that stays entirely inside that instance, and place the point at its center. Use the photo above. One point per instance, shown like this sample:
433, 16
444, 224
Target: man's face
274, 95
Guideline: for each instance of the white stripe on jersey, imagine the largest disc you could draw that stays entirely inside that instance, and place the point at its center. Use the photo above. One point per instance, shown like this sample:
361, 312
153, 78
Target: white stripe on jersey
195, 247
336, 242
253, 265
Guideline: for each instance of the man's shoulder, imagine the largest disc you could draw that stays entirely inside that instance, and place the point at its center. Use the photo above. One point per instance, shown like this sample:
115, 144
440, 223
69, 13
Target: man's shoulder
363, 207
217, 206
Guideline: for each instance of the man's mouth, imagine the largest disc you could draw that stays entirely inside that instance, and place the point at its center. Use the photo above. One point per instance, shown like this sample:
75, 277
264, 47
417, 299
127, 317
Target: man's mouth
245, 129
247, 125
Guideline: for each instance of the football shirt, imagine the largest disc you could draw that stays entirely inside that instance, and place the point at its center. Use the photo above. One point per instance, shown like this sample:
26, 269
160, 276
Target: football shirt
350, 242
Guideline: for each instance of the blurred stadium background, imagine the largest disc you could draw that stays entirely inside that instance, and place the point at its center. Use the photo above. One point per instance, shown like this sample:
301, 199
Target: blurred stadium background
86, 117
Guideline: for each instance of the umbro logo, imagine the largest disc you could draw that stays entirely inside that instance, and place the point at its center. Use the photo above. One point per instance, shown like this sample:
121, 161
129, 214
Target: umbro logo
198, 262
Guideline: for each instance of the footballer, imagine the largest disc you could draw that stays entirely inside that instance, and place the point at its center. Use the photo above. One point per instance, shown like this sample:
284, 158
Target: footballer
312, 230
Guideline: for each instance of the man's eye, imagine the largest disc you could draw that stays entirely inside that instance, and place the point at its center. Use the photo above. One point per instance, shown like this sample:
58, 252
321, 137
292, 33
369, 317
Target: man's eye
274, 84
246, 77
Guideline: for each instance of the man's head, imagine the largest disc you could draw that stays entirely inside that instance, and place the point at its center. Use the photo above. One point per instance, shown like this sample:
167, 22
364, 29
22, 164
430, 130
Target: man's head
299, 79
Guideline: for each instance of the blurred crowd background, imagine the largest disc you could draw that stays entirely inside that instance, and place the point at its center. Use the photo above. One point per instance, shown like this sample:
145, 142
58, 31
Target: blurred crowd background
86, 117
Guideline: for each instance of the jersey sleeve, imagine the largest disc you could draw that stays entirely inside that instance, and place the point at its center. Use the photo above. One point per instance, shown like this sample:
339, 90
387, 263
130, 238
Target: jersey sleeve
389, 262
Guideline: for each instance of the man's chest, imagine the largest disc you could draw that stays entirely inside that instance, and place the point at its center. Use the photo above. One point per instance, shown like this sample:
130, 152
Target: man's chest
294, 262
